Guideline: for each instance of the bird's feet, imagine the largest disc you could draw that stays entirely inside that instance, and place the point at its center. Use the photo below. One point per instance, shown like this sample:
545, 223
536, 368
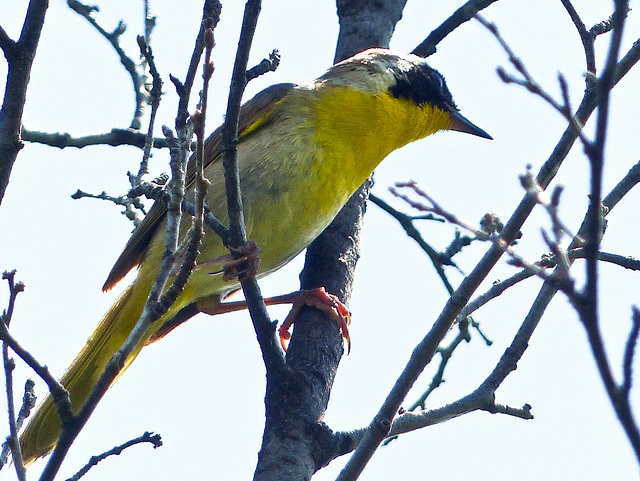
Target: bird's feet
243, 262
318, 298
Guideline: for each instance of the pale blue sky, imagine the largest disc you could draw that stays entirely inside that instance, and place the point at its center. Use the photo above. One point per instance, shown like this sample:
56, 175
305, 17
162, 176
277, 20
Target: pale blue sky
202, 388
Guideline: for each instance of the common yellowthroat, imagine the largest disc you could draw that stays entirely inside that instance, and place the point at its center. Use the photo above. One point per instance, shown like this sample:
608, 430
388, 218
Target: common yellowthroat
303, 151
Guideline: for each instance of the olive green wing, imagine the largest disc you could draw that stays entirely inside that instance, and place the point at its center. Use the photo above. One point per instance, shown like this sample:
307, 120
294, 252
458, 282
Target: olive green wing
251, 115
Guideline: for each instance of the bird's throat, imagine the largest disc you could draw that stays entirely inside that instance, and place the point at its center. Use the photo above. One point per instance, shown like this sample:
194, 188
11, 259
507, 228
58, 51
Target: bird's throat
369, 127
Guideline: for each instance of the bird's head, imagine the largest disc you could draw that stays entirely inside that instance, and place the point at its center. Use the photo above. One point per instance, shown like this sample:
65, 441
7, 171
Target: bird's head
403, 76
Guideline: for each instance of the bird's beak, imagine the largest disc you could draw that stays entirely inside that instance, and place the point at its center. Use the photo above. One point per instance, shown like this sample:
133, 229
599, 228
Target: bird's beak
461, 124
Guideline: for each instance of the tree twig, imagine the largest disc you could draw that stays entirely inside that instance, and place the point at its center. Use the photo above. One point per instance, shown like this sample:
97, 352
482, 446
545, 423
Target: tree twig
9, 365
130, 204
19, 55
460, 16
423, 353
629, 353
587, 306
529, 82
155, 97
58, 392
135, 69
445, 356
265, 330
28, 402
113, 137
587, 38
266, 65
147, 437
479, 400
157, 303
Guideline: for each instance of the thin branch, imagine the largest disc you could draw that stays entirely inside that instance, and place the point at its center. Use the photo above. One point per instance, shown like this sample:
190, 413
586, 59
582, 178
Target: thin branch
230, 129
550, 168
265, 330
113, 137
489, 228
154, 190
627, 262
155, 97
211, 11
157, 303
147, 437
198, 119
629, 353
438, 259
9, 365
622, 188
406, 421
435, 207
406, 222
587, 38
549, 289
149, 22
28, 403
58, 392
445, 356
595, 152
132, 205
606, 25
15, 288
483, 398
627, 62
460, 16
559, 256
498, 288
494, 291
136, 70
587, 307
529, 82
267, 65
423, 353
12, 440
20, 57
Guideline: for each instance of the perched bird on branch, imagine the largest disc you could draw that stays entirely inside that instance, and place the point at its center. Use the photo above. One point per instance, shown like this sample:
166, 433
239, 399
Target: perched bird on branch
303, 151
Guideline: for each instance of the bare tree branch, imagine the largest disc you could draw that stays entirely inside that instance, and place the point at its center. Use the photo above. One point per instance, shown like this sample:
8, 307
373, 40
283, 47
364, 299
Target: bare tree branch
407, 421
629, 353
587, 306
266, 65
425, 350
135, 69
460, 16
264, 328
58, 392
28, 403
529, 82
587, 38
113, 137
445, 356
158, 302
20, 57
9, 366
147, 437
155, 97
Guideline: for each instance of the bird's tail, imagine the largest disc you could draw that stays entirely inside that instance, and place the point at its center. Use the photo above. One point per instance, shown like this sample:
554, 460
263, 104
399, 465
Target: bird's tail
44, 428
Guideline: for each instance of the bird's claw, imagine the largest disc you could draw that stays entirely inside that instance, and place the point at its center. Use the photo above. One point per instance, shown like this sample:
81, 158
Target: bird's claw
320, 299
244, 262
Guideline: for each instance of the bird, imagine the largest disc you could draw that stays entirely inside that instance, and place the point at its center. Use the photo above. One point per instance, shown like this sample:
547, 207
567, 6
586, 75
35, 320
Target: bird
303, 151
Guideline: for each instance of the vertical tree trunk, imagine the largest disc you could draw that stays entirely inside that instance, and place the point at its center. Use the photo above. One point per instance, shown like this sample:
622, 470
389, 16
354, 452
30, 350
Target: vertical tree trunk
296, 443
